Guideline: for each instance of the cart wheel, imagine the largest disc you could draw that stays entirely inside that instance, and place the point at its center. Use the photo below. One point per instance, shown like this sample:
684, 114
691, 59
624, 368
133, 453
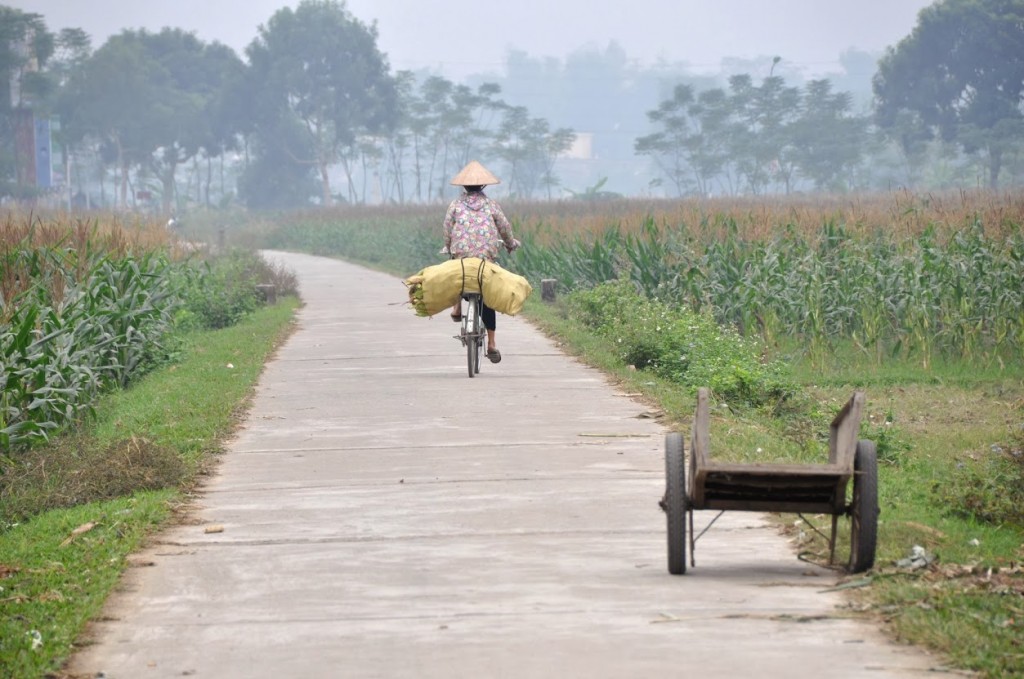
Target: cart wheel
864, 508
675, 503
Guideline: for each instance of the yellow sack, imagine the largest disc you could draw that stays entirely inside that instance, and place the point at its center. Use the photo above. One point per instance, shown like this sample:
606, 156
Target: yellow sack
505, 291
438, 287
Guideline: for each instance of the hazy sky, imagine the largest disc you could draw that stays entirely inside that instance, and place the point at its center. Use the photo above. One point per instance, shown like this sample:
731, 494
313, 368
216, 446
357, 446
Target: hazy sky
443, 34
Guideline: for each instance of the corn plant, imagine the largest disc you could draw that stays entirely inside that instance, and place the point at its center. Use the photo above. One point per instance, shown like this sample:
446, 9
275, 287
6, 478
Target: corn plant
58, 354
79, 313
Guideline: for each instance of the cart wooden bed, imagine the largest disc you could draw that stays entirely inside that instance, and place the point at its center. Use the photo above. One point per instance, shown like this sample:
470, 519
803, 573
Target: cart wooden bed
768, 487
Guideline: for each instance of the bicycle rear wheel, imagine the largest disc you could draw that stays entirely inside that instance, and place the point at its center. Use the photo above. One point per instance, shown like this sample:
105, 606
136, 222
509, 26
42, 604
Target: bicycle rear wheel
471, 330
481, 332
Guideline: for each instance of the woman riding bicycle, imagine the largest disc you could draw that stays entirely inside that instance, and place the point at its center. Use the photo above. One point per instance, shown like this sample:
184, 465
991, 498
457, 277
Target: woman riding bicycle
475, 226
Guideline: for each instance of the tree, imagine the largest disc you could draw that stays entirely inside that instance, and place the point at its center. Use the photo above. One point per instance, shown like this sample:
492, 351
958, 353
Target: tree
274, 180
217, 130
668, 145
529, 148
153, 98
554, 145
441, 119
111, 98
72, 49
401, 140
828, 141
597, 89
961, 71
198, 74
475, 113
691, 146
321, 66
910, 138
515, 143
760, 140
704, 137
444, 125
709, 150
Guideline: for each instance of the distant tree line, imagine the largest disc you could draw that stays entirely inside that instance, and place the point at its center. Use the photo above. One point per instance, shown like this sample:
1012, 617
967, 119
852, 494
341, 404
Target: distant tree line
757, 138
314, 99
954, 85
314, 113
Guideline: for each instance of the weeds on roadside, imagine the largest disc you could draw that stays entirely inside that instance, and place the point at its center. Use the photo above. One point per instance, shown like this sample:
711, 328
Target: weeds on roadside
680, 345
73, 471
219, 291
987, 485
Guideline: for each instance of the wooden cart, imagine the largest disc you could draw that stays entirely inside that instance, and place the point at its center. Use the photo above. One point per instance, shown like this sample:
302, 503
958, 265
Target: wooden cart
798, 488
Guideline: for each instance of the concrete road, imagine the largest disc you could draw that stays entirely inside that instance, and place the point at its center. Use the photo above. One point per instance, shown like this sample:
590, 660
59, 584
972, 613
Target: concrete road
380, 514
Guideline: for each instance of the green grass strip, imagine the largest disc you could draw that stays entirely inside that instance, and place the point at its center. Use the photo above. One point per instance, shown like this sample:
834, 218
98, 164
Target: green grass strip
54, 579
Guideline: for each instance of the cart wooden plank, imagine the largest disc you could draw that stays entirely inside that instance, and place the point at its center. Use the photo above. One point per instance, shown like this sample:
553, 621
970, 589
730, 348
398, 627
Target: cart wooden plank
774, 487
842, 445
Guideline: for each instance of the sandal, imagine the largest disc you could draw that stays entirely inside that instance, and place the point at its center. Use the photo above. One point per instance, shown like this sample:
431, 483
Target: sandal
494, 356
456, 317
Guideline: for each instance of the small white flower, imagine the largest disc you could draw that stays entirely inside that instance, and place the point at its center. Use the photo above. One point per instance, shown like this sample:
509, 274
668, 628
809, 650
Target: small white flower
231, 366
37, 639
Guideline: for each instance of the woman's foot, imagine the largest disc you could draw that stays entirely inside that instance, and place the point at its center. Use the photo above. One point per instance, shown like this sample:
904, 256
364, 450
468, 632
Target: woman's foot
493, 355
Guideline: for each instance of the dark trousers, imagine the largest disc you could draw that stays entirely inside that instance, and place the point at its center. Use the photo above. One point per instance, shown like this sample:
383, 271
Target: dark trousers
490, 318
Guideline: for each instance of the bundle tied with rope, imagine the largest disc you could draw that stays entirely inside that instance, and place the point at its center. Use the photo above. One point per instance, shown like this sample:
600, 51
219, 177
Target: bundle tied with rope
439, 287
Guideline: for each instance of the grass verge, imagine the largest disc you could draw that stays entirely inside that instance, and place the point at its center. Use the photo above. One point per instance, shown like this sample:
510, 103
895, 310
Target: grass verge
68, 521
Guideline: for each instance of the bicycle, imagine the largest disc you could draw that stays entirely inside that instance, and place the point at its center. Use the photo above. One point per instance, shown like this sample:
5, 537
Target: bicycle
473, 334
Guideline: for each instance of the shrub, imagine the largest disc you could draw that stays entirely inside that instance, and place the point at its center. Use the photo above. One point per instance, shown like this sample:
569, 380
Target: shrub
219, 291
987, 486
890, 441
680, 345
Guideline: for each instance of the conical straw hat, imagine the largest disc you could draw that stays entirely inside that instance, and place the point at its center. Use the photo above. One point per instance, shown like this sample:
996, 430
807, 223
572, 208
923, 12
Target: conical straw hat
474, 174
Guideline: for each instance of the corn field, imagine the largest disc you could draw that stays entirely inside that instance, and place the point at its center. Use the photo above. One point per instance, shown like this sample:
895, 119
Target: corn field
962, 298
82, 309
913, 276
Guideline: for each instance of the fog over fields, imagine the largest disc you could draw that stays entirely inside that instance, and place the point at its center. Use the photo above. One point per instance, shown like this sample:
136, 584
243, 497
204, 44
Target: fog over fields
445, 35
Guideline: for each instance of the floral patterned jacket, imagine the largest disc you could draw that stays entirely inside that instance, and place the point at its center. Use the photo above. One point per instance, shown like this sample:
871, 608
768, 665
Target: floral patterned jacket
475, 226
